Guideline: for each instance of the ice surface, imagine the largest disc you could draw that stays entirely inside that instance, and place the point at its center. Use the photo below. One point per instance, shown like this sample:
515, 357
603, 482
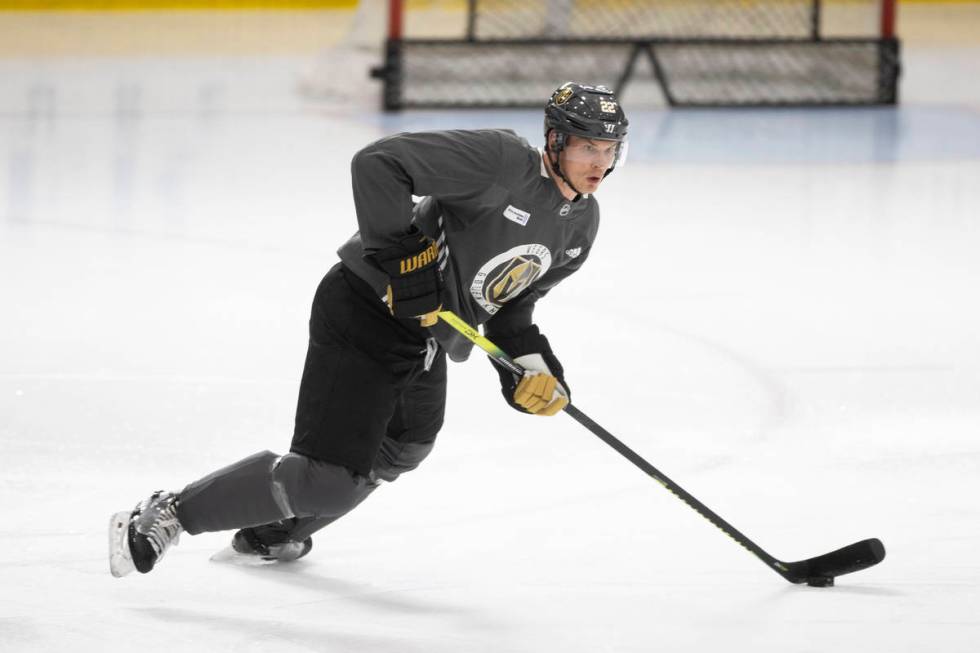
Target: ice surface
781, 313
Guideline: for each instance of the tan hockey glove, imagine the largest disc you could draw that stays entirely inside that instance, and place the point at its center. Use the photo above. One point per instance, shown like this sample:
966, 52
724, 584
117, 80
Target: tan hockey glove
542, 390
540, 393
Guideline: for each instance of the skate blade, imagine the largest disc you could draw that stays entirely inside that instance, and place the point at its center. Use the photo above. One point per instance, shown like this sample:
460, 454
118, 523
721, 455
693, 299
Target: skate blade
120, 562
228, 555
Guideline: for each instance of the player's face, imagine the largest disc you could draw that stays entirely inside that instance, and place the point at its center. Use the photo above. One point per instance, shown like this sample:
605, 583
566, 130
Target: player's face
585, 161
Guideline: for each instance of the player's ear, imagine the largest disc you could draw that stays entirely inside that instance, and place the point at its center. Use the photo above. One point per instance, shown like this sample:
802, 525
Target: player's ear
552, 140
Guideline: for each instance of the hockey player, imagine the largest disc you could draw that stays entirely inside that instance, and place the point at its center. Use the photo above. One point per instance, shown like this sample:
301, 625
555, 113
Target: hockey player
499, 224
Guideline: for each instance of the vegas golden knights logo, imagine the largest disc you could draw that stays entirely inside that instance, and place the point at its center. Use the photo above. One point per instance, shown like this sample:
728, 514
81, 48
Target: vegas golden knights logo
513, 279
413, 263
508, 274
562, 96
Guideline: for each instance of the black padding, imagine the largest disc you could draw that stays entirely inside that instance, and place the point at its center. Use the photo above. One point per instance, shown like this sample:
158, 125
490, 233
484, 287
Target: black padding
363, 369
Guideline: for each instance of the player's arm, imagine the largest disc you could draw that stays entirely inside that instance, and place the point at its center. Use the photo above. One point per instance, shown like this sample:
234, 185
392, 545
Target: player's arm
385, 175
543, 389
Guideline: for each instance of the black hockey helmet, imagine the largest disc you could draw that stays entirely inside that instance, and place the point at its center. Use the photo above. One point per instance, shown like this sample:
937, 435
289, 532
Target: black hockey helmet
586, 111
591, 112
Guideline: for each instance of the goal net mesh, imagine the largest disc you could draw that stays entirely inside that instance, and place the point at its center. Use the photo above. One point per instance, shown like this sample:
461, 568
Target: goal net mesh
473, 53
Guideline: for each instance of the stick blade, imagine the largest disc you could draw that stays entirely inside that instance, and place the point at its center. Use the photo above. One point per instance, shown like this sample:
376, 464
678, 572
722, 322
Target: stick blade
851, 558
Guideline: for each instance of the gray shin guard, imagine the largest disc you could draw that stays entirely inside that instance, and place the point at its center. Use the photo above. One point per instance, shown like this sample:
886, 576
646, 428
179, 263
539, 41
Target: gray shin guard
314, 488
394, 459
239, 495
304, 527
265, 488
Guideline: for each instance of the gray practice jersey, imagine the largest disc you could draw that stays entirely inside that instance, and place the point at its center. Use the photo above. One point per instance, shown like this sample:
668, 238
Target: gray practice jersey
505, 232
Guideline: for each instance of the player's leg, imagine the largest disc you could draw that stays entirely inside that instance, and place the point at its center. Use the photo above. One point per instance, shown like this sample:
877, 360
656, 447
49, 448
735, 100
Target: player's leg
256, 490
333, 409
346, 401
417, 419
409, 438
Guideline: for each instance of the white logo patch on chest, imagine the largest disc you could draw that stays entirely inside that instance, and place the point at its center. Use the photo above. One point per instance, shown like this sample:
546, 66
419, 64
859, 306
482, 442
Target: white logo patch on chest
514, 214
565, 210
508, 274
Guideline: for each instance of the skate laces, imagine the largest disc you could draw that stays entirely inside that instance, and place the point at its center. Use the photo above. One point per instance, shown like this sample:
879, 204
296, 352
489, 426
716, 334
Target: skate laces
157, 521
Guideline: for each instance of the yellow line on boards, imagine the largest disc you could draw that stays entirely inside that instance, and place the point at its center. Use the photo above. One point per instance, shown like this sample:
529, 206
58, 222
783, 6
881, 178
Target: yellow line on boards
937, 2
171, 5
152, 5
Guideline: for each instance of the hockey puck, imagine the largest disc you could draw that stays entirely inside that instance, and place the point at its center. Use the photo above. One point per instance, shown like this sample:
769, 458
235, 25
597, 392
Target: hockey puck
820, 581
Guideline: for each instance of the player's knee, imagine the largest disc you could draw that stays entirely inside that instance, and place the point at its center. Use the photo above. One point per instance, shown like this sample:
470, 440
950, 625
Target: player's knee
396, 458
407, 449
309, 487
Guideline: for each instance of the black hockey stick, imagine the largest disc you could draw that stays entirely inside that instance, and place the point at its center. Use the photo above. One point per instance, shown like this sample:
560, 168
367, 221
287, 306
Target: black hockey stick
816, 572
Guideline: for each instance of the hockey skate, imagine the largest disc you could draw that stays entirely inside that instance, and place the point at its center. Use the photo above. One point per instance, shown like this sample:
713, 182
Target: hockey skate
139, 538
263, 545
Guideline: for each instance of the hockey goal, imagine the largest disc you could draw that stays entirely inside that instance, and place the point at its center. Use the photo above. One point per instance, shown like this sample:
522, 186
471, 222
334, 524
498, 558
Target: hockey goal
511, 53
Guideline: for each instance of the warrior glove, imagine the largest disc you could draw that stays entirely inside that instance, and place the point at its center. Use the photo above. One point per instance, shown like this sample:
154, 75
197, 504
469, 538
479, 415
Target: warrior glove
542, 390
415, 287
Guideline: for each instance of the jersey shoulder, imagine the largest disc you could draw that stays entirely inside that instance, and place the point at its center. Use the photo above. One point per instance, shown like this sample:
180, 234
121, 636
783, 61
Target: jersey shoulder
504, 149
521, 162
588, 221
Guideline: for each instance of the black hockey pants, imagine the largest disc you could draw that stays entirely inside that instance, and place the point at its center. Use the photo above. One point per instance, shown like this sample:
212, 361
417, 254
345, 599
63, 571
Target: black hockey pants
371, 403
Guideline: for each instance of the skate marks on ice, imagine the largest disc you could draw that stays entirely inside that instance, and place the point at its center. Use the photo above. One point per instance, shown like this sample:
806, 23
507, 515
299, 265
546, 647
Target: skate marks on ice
228, 555
331, 613
274, 632
227, 606
300, 576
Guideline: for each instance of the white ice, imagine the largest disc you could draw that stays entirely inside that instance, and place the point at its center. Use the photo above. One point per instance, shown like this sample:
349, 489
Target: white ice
781, 313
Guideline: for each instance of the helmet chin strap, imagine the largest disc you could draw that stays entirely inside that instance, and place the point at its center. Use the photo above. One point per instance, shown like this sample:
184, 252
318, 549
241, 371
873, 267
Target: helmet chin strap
557, 168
